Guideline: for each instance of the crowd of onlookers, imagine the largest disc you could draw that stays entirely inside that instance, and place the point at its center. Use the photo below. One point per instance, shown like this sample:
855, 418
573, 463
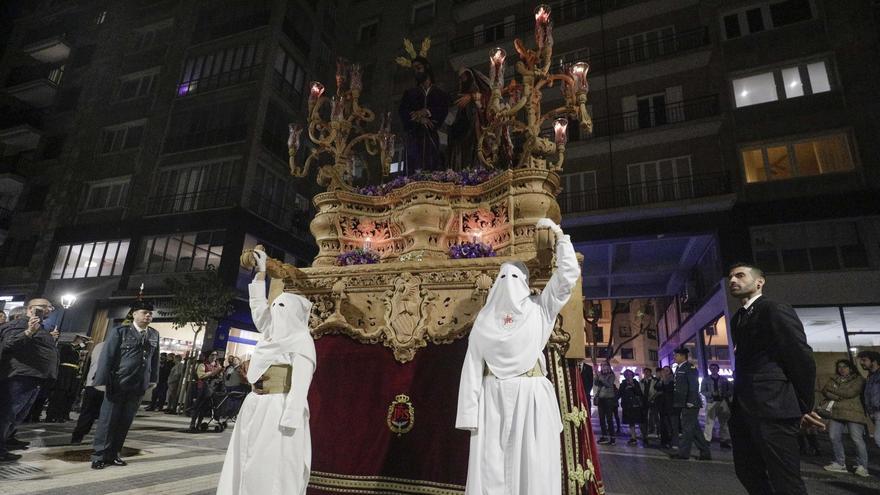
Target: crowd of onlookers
45, 375
848, 402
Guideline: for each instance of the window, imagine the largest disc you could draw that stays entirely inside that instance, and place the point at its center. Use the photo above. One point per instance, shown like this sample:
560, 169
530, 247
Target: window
624, 331
92, 259
662, 180
626, 353
581, 192
220, 68
194, 187
422, 12
122, 137
368, 32
137, 84
152, 35
646, 45
815, 246
761, 17
208, 125
814, 156
107, 194
652, 110
798, 80
653, 356
188, 252
275, 130
290, 77
270, 194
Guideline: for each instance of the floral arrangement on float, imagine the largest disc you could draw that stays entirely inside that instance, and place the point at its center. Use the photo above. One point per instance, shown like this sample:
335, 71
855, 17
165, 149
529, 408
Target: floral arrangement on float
474, 249
466, 177
357, 256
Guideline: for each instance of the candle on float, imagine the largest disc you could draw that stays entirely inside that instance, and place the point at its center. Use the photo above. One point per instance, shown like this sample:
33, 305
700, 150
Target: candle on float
559, 127
496, 66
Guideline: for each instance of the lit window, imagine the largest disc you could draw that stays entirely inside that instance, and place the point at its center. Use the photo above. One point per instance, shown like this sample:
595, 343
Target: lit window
791, 77
803, 158
92, 259
194, 251
752, 90
818, 77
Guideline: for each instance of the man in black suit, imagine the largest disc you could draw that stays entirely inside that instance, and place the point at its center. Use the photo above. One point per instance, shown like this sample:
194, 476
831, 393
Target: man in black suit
773, 388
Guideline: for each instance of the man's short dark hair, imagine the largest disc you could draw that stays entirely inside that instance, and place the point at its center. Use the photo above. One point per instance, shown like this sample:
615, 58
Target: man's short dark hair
684, 351
648, 369
869, 355
743, 264
658, 369
714, 365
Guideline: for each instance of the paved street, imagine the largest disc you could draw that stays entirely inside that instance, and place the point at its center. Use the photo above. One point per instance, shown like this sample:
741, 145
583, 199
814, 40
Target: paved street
164, 459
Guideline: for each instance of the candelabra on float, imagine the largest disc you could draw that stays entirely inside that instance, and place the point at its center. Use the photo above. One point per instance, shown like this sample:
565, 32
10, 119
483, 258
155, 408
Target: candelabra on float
338, 136
506, 102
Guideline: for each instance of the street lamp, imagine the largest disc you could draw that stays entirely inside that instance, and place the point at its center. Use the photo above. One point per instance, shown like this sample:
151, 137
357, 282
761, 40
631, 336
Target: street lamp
68, 300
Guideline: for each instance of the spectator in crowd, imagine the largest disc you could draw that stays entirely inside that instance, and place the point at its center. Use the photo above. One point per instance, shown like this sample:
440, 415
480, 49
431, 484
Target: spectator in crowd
67, 385
209, 381
717, 390
870, 362
842, 404
17, 312
3, 318
606, 395
587, 378
175, 377
36, 412
649, 394
234, 381
631, 400
774, 387
128, 367
92, 399
665, 400
157, 402
28, 358
688, 403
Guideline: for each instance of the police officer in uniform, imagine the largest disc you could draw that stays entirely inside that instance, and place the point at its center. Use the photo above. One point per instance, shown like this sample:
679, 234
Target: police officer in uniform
128, 366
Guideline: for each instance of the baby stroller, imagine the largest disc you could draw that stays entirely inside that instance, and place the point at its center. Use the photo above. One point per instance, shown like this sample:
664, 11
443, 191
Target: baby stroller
220, 414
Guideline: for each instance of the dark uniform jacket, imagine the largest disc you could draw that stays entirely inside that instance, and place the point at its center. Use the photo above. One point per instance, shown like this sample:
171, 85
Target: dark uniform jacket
775, 373
35, 356
687, 387
129, 362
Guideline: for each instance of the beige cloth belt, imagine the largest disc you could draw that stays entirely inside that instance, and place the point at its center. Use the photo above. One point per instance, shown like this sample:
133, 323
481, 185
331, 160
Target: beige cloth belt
276, 380
535, 371
71, 365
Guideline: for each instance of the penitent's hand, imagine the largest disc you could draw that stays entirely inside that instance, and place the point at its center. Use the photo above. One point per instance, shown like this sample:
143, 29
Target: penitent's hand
546, 223
260, 257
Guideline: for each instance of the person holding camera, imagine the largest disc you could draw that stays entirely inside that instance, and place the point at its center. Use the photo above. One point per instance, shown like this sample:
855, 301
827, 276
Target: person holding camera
209, 380
28, 357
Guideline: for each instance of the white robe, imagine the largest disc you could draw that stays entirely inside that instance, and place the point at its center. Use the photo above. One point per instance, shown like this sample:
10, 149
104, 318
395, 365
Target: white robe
515, 421
270, 451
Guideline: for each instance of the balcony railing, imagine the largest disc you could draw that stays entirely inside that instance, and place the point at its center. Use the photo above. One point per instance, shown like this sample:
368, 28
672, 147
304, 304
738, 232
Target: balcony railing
210, 137
564, 12
245, 74
644, 193
193, 201
298, 222
29, 73
287, 90
205, 30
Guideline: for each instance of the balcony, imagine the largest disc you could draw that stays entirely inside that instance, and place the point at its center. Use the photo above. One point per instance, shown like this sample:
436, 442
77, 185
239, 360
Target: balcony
170, 204
206, 30
20, 130
298, 39
645, 193
50, 49
210, 137
245, 74
35, 84
295, 221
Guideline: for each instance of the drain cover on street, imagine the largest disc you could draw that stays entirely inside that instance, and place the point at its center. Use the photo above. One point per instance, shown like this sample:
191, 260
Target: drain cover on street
19, 472
85, 455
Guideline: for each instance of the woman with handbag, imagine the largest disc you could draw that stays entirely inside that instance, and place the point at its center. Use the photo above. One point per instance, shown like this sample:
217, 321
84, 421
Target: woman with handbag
633, 412
843, 406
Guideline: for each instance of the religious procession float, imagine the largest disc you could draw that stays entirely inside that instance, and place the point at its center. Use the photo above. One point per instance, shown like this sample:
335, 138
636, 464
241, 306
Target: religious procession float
404, 267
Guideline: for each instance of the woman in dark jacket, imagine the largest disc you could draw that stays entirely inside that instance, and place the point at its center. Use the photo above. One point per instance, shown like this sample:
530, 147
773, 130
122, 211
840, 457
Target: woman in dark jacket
633, 412
664, 400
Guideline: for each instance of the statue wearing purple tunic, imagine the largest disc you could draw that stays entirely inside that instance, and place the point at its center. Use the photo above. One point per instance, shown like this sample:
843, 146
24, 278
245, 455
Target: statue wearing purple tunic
423, 109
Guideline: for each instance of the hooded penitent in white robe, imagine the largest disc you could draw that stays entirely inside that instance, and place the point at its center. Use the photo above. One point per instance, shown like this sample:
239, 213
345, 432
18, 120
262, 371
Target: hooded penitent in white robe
270, 451
514, 420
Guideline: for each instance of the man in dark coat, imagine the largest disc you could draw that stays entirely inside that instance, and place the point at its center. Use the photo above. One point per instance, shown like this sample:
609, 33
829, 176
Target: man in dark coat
773, 388
28, 358
422, 111
587, 379
128, 366
688, 403
67, 385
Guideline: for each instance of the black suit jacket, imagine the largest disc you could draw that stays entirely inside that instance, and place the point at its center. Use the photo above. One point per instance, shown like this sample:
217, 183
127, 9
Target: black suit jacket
587, 379
775, 372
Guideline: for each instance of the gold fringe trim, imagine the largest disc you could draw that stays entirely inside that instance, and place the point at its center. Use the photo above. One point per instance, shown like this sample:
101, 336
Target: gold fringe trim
379, 485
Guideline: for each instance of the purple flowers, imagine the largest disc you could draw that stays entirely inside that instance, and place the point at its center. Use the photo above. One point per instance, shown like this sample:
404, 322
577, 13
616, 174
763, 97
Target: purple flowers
471, 250
467, 177
357, 256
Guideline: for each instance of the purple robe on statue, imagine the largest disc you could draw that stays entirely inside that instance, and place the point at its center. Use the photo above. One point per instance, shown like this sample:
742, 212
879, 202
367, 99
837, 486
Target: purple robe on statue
422, 143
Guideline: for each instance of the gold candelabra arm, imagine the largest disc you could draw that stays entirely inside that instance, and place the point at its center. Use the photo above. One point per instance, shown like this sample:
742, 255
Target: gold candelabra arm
560, 157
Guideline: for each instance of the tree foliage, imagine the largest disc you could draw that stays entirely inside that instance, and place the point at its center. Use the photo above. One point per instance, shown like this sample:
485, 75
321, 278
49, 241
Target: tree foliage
198, 298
